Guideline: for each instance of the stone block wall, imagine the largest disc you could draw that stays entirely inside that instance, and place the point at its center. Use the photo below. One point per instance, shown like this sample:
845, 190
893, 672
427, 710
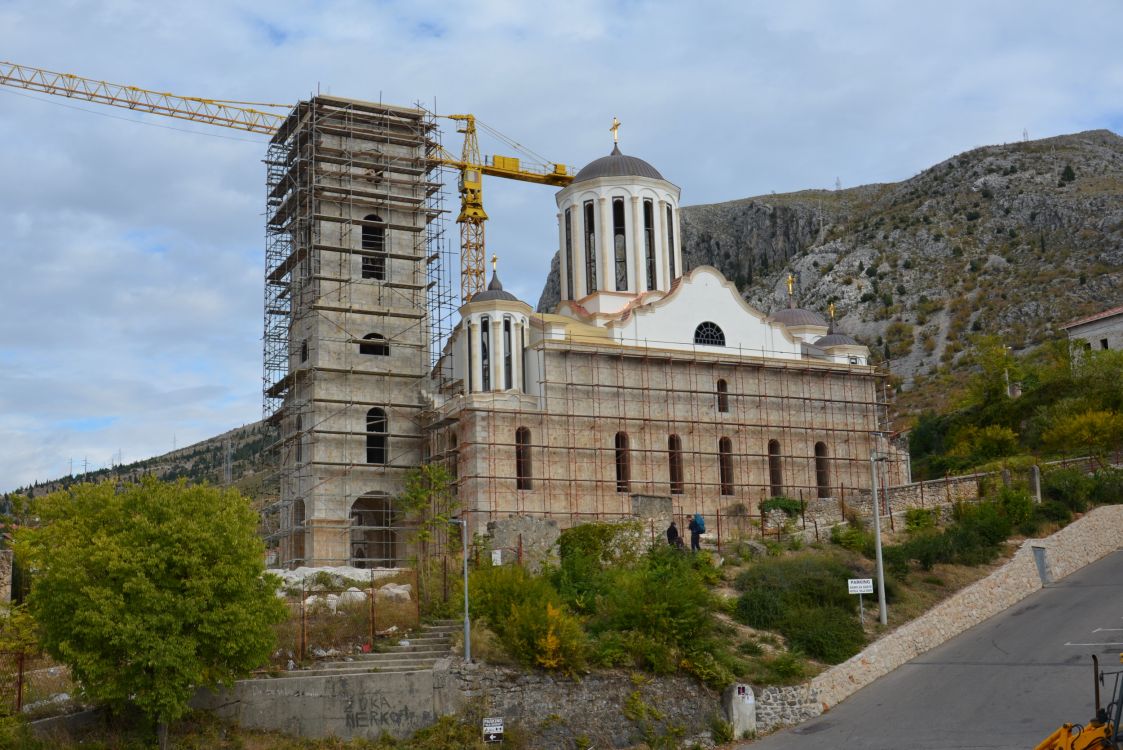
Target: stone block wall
553, 712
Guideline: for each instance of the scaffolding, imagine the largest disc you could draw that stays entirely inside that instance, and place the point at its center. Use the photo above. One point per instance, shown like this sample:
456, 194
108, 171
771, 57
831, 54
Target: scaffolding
356, 300
827, 418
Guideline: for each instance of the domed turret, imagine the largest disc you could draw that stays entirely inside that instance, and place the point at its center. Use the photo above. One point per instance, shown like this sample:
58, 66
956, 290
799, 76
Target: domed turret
494, 291
805, 325
618, 232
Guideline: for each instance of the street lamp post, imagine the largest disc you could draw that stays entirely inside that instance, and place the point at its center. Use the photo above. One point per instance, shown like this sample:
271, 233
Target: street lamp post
874, 458
463, 524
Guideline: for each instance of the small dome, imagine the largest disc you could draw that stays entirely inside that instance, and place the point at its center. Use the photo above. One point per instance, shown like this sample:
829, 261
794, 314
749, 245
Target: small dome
835, 339
617, 164
494, 291
797, 316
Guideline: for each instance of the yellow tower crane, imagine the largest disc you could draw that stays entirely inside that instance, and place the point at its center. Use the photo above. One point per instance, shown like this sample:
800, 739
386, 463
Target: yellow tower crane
246, 116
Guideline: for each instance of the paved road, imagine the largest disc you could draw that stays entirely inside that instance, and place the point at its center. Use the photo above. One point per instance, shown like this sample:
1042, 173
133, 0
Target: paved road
1006, 683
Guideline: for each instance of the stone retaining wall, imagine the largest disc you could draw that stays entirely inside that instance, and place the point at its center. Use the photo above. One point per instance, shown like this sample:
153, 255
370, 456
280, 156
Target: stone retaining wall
1078, 544
609, 709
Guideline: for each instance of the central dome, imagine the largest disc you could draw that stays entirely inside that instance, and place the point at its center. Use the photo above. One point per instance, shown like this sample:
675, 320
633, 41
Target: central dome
617, 164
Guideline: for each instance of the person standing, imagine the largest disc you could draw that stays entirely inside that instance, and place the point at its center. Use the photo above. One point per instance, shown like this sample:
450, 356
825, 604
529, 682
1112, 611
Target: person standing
697, 528
672, 534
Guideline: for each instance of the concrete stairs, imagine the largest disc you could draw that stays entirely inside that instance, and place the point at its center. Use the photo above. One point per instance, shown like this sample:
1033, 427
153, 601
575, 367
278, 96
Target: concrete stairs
415, 653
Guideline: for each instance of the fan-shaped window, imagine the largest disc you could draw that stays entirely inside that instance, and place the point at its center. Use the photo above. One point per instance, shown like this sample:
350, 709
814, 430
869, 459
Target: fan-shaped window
378, 438
775, 472
822, 470
722, 396
709, 334
374, 242
725, 465
623, 463
522, 459
674, 463
378, 345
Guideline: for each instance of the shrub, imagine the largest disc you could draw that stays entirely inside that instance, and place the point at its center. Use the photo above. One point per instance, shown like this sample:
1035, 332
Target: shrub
1053, 511
1069, 486
790, 506
929, 549
760, 607
918, 519
853, 538
1016, 505
828, 634
1107, 487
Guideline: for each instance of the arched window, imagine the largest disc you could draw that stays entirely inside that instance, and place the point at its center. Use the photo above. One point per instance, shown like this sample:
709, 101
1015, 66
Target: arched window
722, 396
725, 465
522, 459
623, 463
508, 383
485, 353
378, 345
674, 463
304, 350
671, 241
619, 244
373, 537
822, 470
649, 241
297, 531
374, 241
569, 274
709, 334
590, 248
299, 439
378, 437
775, 472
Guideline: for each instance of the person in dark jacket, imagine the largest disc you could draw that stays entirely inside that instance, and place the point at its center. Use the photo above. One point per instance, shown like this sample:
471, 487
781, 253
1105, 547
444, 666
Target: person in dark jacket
697, 527
672, 535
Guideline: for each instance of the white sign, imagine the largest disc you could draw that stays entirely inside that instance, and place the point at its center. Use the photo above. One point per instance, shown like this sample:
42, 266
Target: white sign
860, 585
497, 558
493, 729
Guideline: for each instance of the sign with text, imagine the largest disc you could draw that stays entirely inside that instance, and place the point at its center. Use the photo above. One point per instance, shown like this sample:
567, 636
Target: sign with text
493, 729
860, 585
497, 557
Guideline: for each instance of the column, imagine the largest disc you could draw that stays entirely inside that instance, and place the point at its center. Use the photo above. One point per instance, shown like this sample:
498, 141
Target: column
497, 352
638, 274
580, 272
661, 244
660, 247
608, 258
678, 243
516, 354
477, 355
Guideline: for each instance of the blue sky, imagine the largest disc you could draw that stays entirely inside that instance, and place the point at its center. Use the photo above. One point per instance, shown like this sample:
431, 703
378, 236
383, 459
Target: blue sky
131, 247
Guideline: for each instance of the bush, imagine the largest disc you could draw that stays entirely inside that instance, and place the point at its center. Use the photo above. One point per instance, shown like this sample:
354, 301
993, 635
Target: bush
528, 616
1053, 511
828, 634
1016, 505
1069, 486
929, 549
790, 506
1107, 487
760, 607
854, 538
918, 519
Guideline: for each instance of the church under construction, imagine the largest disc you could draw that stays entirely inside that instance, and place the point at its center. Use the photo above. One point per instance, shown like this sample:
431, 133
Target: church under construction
648, 378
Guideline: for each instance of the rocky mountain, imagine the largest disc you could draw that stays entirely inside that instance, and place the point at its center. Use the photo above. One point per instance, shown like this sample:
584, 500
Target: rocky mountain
247, 446
1013, 240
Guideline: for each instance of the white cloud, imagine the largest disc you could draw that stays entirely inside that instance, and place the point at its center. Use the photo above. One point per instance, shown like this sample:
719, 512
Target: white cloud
130, 254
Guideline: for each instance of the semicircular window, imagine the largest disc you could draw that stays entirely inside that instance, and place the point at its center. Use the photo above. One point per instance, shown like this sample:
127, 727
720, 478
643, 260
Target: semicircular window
709, 334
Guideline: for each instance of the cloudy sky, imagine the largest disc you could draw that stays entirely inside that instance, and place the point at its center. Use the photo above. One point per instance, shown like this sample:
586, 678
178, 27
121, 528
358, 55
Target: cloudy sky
131, 247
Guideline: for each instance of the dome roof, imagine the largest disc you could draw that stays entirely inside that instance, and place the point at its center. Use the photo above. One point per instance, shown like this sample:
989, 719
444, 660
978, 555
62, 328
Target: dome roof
494, 291
617, 164
835, 339
797, 316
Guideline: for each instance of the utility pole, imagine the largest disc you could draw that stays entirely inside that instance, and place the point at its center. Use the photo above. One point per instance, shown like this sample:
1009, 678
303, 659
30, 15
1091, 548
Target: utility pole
882, 613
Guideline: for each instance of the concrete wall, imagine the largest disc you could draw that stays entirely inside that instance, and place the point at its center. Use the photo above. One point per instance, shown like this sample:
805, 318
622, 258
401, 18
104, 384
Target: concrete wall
346, 706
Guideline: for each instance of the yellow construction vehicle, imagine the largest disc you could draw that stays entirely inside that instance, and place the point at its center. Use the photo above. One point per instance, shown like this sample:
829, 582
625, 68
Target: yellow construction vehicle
1103, 732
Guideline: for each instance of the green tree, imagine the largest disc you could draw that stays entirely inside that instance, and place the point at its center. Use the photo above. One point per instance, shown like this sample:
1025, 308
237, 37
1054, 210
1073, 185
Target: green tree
149, 591
430, 503
1097, 432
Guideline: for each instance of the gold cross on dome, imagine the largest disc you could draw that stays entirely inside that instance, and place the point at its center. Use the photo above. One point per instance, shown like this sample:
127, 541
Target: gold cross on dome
791, 284
830, 307
494, 262
615, 130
